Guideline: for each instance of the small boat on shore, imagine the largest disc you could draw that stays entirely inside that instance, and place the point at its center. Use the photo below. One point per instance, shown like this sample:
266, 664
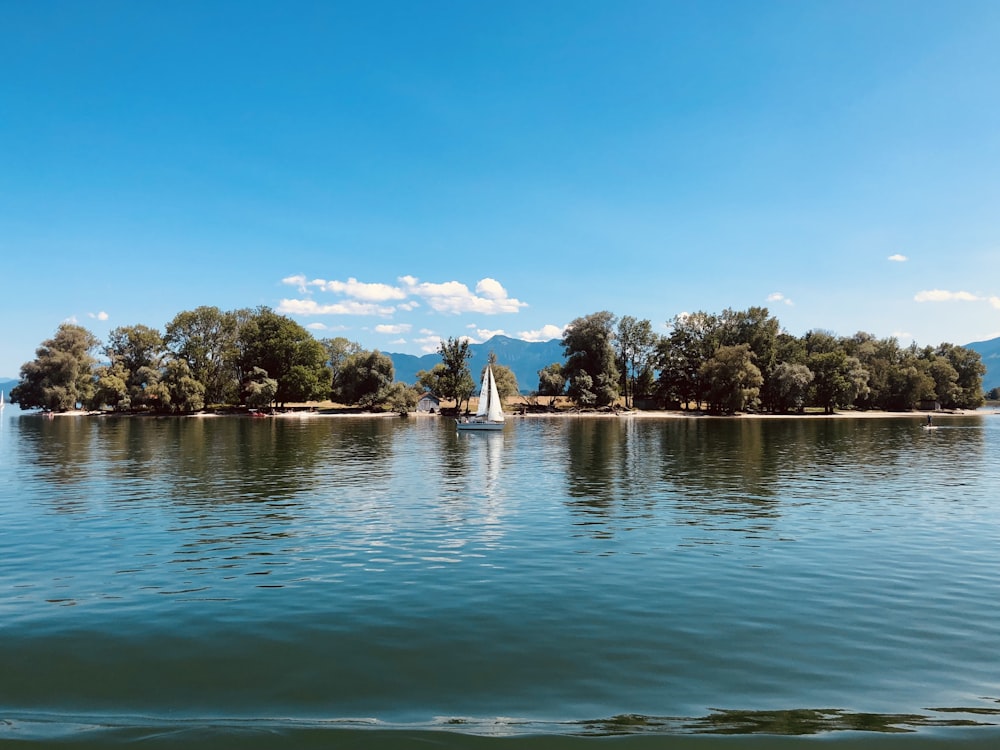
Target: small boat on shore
489, 415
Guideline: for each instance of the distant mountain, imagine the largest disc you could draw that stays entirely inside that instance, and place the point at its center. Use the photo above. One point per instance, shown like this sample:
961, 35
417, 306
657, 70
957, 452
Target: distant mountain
6, 384
990, 352
524, 358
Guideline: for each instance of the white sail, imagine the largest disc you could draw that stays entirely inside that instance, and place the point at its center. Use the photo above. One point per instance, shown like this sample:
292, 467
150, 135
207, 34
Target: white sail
484, 390
489, 411
494, 411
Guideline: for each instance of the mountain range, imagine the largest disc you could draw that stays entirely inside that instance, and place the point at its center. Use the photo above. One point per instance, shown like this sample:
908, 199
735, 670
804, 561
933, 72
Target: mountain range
524, 358
990, 352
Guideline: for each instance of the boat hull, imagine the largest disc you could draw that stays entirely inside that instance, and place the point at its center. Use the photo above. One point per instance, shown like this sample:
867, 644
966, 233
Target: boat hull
480, 426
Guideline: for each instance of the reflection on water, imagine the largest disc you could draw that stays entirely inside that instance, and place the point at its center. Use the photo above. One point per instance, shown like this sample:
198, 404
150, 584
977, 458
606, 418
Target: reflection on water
790, 722
681, 576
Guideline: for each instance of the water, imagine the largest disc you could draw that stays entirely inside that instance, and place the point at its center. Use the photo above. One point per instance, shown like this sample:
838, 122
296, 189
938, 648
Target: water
385, 582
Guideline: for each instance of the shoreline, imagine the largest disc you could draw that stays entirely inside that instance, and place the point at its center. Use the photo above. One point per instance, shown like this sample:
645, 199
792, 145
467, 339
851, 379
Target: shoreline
320, 413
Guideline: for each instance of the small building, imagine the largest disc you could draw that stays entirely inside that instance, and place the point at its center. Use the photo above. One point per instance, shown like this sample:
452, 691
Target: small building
929, 405
429, 403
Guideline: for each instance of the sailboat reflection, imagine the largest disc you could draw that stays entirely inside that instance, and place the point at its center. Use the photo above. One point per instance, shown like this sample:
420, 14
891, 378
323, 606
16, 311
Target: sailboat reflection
485, 454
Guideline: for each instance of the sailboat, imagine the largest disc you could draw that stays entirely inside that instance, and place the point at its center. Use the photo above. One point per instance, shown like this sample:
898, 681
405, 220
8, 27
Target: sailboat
1, 401
489, 415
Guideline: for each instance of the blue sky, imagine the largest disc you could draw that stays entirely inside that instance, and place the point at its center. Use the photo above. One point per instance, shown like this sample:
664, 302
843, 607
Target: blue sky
402, 172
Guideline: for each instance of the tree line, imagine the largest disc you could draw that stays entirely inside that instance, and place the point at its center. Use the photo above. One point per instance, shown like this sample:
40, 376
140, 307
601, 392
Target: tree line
724, 363
740, 360
205, 357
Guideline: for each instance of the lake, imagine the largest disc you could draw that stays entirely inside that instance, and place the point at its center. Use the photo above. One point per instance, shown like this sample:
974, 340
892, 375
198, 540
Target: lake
384, 582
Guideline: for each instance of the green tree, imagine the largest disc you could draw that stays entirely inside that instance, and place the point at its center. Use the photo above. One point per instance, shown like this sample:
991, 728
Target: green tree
136, 353
945, 378
818, 341
838, 379
61, 377
790, 385
259, 390
857, 378
337, 351
692, 341
829, 381
157, 393
910, 383
305, 382
364, 379
287, 352
135, 347
111, 388
791, 349
879, 358
455, 381
759, 330
206, 340
432, 380
733, 380
403, 398
636, 347
505, 379
551, 381
184, 393
590, 368
969, 367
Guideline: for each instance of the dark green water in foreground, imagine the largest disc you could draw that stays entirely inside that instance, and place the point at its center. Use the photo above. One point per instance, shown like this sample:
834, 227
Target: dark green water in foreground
381, 582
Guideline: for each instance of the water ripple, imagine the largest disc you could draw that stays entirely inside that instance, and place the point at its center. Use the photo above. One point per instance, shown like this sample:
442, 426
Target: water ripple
640, 570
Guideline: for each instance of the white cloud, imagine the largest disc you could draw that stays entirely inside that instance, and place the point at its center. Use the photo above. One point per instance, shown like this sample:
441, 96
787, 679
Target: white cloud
428, 344
995, 302
368, 292
298, 281
454, 297
352, 288
302, 283
545, 333
99, 315
779, 297
897, 258
311, 307
902, 335
491, 288
325, 327
940, 295
393, 330
364, 298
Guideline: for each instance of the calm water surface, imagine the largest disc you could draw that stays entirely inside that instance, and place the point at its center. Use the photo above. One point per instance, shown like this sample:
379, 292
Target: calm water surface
385, 582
